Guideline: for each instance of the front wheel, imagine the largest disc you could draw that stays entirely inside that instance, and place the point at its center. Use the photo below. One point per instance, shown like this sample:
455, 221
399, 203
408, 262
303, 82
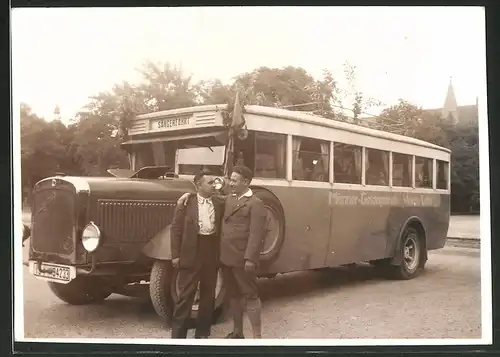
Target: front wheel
159, 289
411, 256
220, 306
81, 291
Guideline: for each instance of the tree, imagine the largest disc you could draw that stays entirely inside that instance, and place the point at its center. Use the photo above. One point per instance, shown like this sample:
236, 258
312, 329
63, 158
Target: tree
402, 118
167, 87
95, 147
289, 87
214, 92
43, 148
360, 103
105, 120
464, 145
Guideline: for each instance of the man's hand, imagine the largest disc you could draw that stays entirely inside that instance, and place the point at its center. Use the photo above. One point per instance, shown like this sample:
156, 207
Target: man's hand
249, 266
183, 200
175, 262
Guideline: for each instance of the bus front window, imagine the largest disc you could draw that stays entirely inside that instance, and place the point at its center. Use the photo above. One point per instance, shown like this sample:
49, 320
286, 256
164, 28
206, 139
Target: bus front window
192, 160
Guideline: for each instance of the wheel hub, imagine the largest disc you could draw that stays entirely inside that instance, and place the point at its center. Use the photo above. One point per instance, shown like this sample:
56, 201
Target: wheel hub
411, 253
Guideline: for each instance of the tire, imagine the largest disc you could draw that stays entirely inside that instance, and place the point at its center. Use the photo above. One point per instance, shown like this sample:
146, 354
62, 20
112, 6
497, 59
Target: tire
411, 250
159, 289
273, 207
81, 291
220, 307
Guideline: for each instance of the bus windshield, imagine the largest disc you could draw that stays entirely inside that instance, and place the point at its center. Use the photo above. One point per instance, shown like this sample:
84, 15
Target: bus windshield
184, 157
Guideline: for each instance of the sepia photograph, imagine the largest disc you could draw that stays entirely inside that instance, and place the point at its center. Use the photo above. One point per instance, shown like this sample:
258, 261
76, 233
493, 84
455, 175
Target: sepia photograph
273, 175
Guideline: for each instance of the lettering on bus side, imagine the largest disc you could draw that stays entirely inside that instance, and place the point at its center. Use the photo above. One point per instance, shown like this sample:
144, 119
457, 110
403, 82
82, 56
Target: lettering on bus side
397, 199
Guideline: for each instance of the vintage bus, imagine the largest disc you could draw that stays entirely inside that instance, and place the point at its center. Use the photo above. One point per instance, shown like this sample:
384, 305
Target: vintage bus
335, 193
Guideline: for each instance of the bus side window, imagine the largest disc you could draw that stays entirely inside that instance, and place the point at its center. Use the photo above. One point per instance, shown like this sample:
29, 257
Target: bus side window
270, 155
423, 172
401, 170
377, 167
442, 175
311, 159
347, 163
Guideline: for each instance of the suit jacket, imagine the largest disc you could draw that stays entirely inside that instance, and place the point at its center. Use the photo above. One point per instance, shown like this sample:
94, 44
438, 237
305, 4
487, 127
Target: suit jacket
185, 228
243, 230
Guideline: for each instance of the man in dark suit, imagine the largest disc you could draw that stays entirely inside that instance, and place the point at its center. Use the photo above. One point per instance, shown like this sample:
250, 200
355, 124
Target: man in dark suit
195, 242
242, 236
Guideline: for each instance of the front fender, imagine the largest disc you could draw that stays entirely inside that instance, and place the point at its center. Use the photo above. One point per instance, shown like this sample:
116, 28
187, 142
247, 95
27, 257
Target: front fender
26, 233
159, 246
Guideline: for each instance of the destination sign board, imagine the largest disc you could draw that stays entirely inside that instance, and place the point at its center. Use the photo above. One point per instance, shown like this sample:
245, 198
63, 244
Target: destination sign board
171, 123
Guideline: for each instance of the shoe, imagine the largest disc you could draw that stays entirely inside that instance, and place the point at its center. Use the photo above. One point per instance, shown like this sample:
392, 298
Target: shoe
234, 335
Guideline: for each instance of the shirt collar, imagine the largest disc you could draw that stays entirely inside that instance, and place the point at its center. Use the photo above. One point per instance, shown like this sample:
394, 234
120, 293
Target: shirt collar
203, 199
248, 193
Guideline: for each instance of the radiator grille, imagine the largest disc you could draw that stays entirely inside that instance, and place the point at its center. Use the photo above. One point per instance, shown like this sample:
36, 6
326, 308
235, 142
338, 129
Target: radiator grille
53, 221
133, 221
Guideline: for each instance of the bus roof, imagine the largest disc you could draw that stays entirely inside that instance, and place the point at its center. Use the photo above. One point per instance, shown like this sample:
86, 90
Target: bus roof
317, 120
186, 110
300, 117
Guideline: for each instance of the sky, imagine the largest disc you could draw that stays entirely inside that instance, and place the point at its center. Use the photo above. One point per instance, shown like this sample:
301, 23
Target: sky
63, 56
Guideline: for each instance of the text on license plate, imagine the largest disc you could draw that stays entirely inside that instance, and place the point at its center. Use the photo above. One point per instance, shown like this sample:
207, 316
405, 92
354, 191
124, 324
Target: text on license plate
172, 122
53, 272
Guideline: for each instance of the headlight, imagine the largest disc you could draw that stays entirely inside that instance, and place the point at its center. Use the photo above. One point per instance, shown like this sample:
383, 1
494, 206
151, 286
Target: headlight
91, 237
26, 231
219, 183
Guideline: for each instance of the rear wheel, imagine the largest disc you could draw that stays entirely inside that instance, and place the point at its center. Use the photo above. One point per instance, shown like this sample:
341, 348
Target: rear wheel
81, 291
411, 255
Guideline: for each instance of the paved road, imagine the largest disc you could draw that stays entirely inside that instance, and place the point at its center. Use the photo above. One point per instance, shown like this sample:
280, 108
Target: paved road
464, 227
444, 302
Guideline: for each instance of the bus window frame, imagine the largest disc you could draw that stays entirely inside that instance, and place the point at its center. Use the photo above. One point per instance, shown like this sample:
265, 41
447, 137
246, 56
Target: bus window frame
448, 178
255, 149
433, 186
389, 171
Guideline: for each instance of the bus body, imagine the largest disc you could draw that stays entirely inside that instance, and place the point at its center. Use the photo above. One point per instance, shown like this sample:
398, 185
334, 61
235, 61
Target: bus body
335, 194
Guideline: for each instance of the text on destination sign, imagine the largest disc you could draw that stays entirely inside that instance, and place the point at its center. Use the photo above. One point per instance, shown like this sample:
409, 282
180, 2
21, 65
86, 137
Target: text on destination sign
171, 122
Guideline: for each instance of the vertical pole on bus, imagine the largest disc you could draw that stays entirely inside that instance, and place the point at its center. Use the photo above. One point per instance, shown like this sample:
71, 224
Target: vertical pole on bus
228, 167
391, 167
413, 174
363, 165
434, 173
237, 124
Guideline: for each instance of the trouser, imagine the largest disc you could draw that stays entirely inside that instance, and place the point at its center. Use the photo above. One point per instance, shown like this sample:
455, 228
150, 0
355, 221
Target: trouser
204, 272
241, 285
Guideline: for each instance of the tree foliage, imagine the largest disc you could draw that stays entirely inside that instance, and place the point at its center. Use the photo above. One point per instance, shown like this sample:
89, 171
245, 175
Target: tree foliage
360, 103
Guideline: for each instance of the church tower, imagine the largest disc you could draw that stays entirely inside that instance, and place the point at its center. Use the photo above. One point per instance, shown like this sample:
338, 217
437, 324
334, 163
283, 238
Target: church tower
57, 113
450, 106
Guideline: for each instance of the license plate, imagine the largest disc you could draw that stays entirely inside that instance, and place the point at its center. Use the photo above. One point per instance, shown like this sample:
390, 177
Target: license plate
53, 272
171, 123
